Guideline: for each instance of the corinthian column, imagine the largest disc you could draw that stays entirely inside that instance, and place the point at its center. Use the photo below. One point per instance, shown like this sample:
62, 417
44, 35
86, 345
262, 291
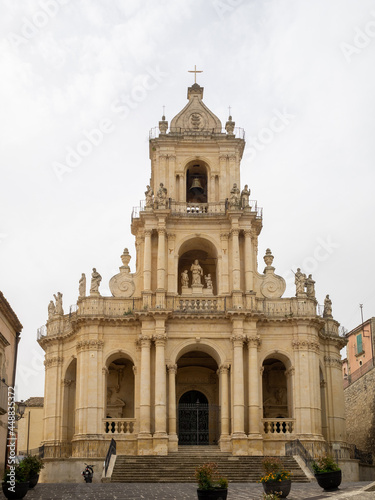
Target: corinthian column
249, 286
145, 399
161, 259
172, 370
160, 385
147, 261
238, 386
236, 271
224, 369
253, 343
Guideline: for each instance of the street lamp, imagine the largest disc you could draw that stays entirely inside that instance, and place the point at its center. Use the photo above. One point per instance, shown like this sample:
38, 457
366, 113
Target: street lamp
21, 407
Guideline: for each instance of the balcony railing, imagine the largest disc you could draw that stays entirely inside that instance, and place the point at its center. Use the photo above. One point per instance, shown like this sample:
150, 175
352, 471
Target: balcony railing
238, 132
278, 426
119, 425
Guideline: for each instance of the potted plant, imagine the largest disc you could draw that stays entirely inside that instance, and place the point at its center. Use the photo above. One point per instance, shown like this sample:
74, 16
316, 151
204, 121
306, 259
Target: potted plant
275, 480
327, 473
15, 481
35, 465
211, 486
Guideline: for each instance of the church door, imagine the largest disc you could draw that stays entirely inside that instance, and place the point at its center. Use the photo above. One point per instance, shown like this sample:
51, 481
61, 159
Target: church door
193, 419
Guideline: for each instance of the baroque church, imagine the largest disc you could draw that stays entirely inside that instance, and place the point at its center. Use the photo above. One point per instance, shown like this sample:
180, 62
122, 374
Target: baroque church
197, 346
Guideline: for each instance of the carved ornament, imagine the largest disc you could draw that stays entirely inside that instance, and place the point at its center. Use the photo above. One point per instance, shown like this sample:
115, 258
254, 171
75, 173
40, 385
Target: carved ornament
53, 361
305, 345
84, 345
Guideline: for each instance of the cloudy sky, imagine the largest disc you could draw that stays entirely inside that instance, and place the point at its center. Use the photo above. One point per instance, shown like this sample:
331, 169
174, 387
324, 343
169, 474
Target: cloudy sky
299, 76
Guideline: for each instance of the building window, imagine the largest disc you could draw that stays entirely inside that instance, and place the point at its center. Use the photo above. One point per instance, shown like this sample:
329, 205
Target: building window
359, 346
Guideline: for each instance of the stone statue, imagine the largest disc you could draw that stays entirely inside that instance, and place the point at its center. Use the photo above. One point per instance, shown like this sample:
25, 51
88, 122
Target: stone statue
95, 281
327, 313
310, 287
51, 309
82, 286
234, 196
208, 281
161, 197
185, 278
299, 281
59, 307
245, 195
149, 197
197, 273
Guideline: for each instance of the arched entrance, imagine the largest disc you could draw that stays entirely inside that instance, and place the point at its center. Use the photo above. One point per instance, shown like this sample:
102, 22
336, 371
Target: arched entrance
193, 419
198, 399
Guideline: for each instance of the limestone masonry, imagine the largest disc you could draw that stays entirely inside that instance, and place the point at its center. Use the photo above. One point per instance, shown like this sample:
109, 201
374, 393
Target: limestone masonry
197, 346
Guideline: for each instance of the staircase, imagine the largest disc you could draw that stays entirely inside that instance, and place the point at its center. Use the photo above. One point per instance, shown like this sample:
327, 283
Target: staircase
179, 467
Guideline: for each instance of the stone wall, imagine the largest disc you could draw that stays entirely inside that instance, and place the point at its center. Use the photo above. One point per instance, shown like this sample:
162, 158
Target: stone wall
360, 412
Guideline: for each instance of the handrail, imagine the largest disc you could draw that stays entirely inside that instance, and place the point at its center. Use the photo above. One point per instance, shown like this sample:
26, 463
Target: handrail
295, 447
111, 451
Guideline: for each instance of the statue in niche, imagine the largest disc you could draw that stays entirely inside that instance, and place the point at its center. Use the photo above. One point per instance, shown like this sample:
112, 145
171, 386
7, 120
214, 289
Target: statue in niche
51, 309
185, 278
208, 281
149, 197
82, 286
310, 287
300, 280
197, 272
95, 281
327, 313
161, 197
245, 195
234, 196
59, 307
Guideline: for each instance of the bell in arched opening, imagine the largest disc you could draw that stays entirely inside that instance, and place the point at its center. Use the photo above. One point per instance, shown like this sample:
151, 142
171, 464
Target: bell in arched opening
196, 186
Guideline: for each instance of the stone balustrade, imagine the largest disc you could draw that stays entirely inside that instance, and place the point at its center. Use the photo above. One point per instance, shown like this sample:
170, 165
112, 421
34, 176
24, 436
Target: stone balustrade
278, 425
119, 425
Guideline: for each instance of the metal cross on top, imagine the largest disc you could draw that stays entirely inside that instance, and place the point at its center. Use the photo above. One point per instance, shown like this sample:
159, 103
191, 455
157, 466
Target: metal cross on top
195, 71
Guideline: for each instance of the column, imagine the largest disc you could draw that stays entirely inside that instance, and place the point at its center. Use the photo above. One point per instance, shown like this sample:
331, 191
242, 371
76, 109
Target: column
232, 170
224, 275
182, 189
248, 262
147, 261
160, 385
236, 271
224, 400
212, 197
253, 343
161, 259
172, 264
172, 420
224, 189
145, 397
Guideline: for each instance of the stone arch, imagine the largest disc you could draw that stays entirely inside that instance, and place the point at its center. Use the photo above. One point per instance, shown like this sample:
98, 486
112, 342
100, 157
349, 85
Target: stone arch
197, 421
205, 251
205, 345
69, 401
197, 175
119, 385
277, 388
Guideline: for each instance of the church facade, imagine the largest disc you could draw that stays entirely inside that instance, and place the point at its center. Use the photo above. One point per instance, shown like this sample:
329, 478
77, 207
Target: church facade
197, 346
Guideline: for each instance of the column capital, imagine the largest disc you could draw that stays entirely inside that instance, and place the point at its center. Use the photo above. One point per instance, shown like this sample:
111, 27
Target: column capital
160, 339
224, 236
254, 341
234, 232
144, 340
162, 231
290, 372
224, 368
147, 232
247, 233
172, 369
238, 340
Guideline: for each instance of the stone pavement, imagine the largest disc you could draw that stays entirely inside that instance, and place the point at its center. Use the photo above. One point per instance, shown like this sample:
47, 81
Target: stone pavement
187, 491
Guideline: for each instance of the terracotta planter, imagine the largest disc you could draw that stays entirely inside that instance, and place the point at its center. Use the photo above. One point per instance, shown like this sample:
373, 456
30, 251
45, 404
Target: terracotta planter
329, 481
20, 490
216, 494
282, 487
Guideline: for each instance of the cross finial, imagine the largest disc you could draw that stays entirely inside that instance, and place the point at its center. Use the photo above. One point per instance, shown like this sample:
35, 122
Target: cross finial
163, 110
195, 71
229, 107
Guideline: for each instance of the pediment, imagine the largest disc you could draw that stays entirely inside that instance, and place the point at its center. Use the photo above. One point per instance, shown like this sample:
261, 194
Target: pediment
195, 116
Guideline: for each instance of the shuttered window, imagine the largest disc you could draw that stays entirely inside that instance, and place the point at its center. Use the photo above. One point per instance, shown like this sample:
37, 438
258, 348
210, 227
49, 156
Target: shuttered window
359, 344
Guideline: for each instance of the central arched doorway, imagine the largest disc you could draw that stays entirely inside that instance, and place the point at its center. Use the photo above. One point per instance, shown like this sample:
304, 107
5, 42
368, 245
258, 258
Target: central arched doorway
193, 419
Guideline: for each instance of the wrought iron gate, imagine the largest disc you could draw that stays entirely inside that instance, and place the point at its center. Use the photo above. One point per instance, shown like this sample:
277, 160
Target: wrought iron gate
193, 424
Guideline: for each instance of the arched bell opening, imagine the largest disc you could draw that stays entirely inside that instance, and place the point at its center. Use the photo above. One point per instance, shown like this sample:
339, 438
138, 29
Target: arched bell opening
120, 406
197, 387
197, 267
196, 183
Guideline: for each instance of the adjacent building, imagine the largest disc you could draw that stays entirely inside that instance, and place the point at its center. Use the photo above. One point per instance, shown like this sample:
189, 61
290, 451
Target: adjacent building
198, 346
10, 331
30, 427
359, 386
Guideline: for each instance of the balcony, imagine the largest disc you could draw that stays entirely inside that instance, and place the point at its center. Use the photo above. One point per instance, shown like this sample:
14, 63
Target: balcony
278, 426
119, 425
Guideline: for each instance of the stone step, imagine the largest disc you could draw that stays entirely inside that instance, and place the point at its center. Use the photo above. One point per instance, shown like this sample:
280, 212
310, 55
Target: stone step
180, 467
